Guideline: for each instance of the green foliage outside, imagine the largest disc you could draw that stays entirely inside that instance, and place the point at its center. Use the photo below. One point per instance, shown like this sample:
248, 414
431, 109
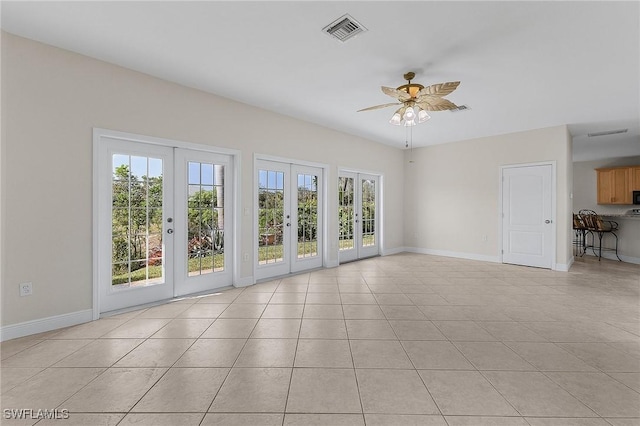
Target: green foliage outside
270, 216
205, 225
346, 206
136, 214
137, 228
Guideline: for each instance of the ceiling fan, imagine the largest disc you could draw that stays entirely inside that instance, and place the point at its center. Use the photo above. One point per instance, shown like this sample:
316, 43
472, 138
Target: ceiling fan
416, 100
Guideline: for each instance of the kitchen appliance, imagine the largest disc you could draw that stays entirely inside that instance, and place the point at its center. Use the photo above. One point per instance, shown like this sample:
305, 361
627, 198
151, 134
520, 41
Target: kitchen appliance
636, 197
634, 212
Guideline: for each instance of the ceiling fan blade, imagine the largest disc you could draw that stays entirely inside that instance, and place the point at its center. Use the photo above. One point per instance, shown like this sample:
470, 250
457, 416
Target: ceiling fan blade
395, 93
439, 105
379, 106
441, 89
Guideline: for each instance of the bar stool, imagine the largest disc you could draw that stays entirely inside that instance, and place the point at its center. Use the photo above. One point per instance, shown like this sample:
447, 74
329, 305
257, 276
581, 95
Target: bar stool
579, 234
596, 226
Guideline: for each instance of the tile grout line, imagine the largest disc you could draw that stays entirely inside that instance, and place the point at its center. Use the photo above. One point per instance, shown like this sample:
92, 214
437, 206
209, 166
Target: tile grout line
353, 364
295, 353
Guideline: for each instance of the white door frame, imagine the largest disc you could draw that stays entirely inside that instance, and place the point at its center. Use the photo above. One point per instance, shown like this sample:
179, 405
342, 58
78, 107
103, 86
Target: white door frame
324, 210
98, 134
554, 213
379, 209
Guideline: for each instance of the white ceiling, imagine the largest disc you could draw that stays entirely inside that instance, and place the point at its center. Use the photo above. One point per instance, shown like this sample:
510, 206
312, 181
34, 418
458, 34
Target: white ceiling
523, 65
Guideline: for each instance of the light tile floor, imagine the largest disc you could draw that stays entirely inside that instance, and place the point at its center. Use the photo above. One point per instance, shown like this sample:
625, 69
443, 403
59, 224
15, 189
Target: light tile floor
400, 340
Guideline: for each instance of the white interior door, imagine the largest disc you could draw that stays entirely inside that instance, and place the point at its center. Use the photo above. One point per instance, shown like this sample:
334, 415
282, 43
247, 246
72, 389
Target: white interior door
358, 208
202, 217
288, 218
527, 224
135, 207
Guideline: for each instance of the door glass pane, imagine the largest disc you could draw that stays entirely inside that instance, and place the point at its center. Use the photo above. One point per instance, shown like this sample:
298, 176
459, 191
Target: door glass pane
368, 212
345, 212
205, 212
270, 216
136, 221
307, 215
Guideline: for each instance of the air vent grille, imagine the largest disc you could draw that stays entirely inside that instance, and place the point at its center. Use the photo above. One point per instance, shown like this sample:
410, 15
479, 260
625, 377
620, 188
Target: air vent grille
344, 28
609, 132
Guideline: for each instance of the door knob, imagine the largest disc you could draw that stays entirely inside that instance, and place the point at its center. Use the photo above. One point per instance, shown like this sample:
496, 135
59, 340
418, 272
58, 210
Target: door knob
288, 224
169, 231
547, 221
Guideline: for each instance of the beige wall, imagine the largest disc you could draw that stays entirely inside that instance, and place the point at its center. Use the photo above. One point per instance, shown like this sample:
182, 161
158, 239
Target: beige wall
452, 191
51, 101
447, 200
585, 184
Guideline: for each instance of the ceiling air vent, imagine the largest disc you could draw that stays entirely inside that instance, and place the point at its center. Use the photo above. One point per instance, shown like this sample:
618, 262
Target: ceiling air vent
609, 132
344, 28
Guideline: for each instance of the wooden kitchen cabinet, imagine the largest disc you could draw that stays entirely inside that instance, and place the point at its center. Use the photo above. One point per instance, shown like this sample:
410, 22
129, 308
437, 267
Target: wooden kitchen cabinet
614, 185
635, 178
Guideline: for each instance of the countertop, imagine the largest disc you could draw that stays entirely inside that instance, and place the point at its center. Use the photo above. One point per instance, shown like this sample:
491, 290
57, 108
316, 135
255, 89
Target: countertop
622, 216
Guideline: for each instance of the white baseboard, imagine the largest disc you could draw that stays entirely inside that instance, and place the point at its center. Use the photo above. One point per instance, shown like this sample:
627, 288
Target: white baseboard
612, 256
456, 254
244, 282
392, 251
564, 267
332, 264
41, 325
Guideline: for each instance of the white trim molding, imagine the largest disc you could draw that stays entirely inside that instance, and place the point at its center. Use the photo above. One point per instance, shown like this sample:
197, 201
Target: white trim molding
244, 282
42, 325
612, 256
332, 264
392, 251
456, 254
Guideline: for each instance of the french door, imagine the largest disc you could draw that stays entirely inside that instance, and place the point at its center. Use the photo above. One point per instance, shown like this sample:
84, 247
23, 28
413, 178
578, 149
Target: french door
289, 220
203, 220
162, 213
358, 195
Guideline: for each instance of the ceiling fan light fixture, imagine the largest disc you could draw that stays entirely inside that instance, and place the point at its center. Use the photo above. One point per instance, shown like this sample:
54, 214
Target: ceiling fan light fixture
409, 114
417, 100
396, 119
423, 116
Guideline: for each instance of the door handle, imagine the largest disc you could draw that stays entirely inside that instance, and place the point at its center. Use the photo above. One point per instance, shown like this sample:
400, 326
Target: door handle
547, 221
169, 231
288, 224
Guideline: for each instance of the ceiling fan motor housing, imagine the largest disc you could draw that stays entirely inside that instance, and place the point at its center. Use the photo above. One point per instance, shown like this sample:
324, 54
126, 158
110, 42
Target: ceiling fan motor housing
411, 89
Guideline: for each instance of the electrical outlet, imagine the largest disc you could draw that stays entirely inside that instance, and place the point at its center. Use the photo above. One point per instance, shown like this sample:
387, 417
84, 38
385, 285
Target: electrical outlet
245, 257
26, 289
485, 238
